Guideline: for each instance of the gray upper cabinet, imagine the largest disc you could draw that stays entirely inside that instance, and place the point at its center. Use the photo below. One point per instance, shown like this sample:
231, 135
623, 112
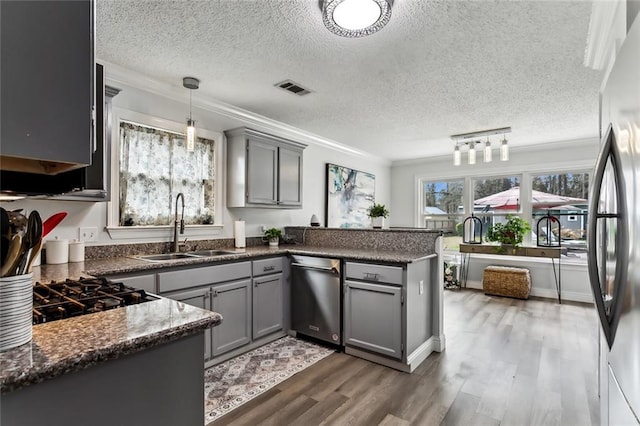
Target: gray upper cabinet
262, 173
290, 176
263, 170
47, 80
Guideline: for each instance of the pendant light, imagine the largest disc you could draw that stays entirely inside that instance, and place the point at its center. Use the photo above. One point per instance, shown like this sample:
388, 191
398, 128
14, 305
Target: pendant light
472, 152
190, 83
487, 151
504, 150
456, 155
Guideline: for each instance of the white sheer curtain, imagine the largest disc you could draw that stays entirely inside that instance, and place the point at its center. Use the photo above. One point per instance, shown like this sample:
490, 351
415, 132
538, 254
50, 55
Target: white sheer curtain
154, 167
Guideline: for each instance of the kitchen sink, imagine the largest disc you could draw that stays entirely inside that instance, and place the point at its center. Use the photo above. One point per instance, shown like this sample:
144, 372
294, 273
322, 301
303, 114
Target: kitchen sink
210, 253
186, 255
165, 256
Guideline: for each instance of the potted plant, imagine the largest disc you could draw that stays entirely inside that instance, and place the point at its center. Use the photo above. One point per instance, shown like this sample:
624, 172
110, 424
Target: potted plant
273, 235
509, 234
377, 213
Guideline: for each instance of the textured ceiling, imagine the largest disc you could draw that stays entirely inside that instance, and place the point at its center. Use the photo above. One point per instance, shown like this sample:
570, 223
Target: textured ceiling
438, 68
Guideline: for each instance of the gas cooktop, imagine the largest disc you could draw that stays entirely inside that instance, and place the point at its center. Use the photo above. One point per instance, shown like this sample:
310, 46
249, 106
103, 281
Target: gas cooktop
71, 298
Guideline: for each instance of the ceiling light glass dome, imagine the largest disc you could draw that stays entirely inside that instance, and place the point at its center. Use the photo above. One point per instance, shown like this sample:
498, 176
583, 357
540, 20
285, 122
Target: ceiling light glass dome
356, 18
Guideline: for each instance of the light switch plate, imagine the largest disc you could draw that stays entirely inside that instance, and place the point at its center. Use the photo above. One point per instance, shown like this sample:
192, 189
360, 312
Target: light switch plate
88, 235
421, 287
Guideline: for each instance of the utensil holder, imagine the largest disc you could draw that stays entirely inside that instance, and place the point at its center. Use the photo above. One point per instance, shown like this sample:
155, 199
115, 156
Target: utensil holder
16, 304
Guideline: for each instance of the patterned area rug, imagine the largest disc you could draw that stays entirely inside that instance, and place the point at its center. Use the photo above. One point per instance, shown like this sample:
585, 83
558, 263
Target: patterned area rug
239, 380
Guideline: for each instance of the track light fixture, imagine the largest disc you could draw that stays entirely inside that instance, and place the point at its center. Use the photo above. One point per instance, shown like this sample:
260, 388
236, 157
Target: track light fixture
471, 139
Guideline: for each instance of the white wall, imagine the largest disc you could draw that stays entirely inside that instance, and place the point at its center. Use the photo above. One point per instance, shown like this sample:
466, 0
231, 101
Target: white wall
554, 157
544, 157
160, 101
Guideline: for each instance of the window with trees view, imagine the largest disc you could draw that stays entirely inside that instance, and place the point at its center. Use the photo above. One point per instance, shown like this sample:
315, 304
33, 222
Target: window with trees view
563, 194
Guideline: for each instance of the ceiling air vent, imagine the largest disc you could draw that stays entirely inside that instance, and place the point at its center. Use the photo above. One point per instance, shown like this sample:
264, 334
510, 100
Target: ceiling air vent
293, 87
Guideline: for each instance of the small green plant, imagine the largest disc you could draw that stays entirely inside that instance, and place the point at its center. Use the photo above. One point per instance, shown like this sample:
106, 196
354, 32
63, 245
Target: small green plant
273, 233
512, 232
378, 210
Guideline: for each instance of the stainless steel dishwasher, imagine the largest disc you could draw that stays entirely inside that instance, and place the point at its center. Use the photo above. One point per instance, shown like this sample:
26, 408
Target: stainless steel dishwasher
316, 298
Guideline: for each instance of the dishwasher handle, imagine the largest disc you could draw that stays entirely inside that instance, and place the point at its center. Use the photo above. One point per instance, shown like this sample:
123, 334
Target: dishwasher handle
331, 269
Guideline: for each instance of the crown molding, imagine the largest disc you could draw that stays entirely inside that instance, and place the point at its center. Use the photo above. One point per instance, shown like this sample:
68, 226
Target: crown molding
116, 74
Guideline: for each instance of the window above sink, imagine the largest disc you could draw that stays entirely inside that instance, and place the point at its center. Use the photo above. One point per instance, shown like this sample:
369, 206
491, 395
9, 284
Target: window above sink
119, 214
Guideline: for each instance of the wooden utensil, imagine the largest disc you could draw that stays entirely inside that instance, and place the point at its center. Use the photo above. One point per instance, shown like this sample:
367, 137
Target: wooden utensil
11, 262
52, 222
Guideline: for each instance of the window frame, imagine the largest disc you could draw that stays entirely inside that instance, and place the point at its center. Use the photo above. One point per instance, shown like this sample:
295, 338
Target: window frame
117, 232
526, 177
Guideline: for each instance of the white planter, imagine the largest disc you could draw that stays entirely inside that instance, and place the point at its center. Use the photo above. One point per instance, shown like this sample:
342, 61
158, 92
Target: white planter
377, 222
273, 242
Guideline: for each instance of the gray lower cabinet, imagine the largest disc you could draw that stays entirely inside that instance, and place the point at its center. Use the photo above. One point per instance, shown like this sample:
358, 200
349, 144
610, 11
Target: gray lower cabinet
200, 298
233, 302
373, 317
267, 305
143, 282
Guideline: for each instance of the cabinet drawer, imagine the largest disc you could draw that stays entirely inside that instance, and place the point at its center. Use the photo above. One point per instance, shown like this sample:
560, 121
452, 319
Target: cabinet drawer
543, 252
186, 278
375, 273
142, 282
267, 266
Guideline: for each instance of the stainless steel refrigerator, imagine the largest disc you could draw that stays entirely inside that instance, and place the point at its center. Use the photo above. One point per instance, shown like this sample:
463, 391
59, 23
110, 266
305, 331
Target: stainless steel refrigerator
614, 236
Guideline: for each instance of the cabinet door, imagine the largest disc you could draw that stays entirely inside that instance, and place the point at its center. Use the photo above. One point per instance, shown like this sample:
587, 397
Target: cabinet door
267, 305
47, 83
201, 299
233, 302
290, 177
141, 282
262, 172
373, 317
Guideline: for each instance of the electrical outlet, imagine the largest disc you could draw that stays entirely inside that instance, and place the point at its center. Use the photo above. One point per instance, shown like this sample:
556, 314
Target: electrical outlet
88, 235
262, 229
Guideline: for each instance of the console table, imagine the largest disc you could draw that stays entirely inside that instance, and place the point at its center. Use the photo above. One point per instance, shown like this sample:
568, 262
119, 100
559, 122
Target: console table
548, 252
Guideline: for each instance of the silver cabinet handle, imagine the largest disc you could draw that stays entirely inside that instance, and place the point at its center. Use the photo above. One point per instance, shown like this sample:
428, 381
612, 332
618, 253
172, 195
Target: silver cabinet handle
371, 276
268, 268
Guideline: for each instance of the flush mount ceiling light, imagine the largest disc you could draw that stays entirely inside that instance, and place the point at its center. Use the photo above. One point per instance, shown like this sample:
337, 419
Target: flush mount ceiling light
467, 139
191, 83
355, 18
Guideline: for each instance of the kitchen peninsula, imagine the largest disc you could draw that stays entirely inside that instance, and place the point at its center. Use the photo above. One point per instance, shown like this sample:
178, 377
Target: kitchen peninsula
139, 364
133, 350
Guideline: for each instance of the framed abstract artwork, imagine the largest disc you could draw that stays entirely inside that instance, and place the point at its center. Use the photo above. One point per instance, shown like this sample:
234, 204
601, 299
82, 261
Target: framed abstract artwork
349, 194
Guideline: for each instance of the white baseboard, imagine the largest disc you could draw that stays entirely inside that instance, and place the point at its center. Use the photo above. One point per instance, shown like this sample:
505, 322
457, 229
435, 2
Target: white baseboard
413, 360
573, 296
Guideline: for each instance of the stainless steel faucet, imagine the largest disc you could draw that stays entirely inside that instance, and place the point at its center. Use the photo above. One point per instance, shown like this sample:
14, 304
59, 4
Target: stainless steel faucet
176, 244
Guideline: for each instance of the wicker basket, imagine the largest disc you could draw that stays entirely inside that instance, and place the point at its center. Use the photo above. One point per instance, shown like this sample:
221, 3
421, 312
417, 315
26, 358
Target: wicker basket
507, 281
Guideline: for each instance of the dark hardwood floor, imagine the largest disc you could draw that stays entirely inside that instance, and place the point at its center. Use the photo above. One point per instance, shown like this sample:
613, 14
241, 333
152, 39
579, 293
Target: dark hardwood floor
507, 362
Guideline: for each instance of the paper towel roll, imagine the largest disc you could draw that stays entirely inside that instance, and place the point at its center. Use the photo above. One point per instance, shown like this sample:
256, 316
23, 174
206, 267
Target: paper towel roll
239, 233
57, 251
76, 251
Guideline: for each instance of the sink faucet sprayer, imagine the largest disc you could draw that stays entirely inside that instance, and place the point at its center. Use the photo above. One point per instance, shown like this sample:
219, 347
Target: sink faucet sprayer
176, 244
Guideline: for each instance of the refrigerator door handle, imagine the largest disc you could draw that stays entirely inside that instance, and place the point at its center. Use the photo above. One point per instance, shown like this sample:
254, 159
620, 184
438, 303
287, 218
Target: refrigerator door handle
608, 303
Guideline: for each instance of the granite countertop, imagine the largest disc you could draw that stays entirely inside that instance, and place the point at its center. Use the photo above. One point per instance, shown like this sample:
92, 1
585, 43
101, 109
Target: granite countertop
123, 265
72, 344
